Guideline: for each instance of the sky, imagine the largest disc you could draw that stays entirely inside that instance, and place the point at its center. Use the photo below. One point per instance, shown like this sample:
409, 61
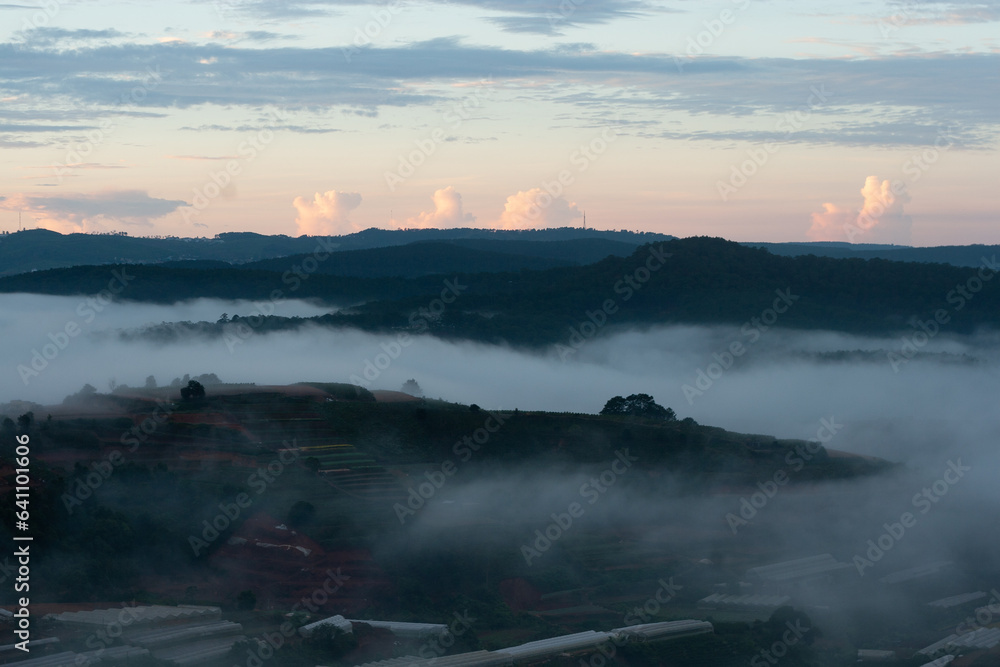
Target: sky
869, 122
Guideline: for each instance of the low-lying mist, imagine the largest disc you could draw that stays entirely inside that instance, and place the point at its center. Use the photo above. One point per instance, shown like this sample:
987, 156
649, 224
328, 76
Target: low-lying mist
933, 411
782, 384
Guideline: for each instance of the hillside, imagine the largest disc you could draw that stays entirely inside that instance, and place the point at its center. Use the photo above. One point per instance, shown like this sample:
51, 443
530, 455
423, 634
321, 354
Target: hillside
965, 255
696, 280
40, 249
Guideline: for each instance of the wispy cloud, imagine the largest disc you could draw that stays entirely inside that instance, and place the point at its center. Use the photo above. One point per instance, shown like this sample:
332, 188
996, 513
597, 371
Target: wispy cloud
80, 212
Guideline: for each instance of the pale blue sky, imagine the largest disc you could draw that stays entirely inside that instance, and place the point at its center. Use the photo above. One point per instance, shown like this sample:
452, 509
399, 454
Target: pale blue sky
127, 116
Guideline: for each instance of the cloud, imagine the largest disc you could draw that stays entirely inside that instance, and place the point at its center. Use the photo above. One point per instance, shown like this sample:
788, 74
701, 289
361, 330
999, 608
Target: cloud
327, 213
927, 91
251, 35
935, 12
71, 213
536, 208
202, 157
880, 220
447, 211
59, 36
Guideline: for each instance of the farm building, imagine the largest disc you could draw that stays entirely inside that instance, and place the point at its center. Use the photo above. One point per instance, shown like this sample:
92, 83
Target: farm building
871, 655
407, 630
788, 576
981, 639
654, 632
553, 646
917, 573
182, 635
957, 600
940, 662
744, 602
337, 621
112, 655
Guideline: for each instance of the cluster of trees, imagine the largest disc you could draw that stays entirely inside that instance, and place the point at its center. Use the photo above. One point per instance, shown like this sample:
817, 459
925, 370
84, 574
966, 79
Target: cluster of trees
638, 405
194, 389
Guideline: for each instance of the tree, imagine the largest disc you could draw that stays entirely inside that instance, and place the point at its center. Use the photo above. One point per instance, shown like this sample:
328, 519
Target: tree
25, 420
246, 600
412, 388
194, 389
638, 405
300, 513
151, 382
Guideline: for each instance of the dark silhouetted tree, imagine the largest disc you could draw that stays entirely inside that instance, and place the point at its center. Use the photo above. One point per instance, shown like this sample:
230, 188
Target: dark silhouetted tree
412, 388
638, 405
246, 600
194, 389
300, 513
25, 421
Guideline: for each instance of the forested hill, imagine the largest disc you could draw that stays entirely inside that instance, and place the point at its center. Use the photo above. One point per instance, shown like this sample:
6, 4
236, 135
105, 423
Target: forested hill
40, 249
957, 255
451, 256
695, 280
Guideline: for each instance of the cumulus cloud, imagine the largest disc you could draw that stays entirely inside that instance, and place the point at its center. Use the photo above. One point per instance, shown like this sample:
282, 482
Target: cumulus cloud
537, 208
448, 211
881, 218
92, 212
327, 213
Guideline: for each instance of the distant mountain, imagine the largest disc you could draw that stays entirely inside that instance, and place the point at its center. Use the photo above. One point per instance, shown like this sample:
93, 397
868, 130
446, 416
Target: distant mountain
956, 255
459, 256
39, 249
696, 280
